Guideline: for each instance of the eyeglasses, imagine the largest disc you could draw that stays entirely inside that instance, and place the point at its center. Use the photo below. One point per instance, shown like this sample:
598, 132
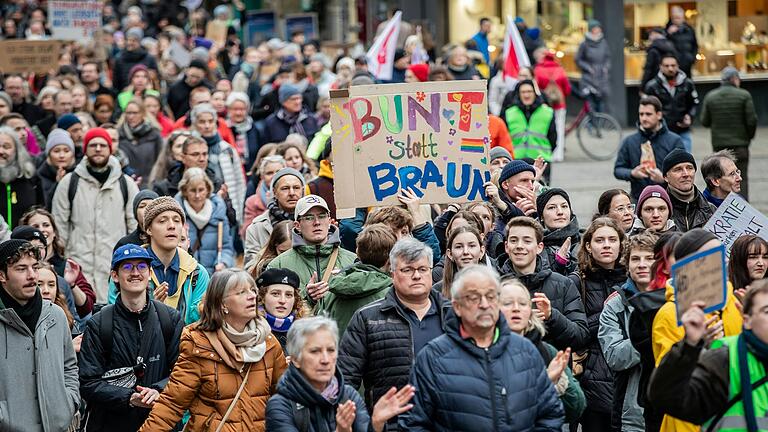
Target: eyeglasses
197, 155
312, 218
475, 299
629, 208
129, 268
244, 292
411, 271
735, 174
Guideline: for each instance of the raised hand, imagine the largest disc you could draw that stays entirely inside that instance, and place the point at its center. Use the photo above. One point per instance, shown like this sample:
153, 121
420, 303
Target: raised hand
316, 290
161, 292
694, 323
393, 403
565, 250
543, 306
345, 416
558, 364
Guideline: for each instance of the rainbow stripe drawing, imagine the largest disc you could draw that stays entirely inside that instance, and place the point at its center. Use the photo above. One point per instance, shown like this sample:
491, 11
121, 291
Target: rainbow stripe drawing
472, 145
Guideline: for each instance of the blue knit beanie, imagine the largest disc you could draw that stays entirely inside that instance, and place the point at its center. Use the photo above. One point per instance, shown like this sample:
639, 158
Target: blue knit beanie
286, 91
67, 121
513, 168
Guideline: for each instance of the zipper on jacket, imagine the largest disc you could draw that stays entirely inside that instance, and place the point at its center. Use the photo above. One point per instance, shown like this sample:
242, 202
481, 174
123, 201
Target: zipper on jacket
504, 400
492, 389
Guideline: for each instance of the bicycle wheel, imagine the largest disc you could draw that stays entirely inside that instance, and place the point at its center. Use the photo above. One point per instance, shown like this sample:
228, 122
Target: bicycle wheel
599, 136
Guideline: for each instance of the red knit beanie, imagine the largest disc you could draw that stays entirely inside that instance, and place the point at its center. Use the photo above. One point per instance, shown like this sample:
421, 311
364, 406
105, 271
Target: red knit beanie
421, 70
94, 133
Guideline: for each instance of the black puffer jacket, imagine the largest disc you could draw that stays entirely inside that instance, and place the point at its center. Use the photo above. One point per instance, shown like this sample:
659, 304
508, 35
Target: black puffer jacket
461, 387
127, 60
676, 101
297, 399
109, 403
48, 182
377, 347
567, 326
597, 379
554, 239
653, 55
690, 215
684, 40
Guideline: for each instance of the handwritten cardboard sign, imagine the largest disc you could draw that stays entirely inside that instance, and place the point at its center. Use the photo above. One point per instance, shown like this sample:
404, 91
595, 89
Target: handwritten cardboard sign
74, 19
734, 218
20, 56
700, 276
431, 138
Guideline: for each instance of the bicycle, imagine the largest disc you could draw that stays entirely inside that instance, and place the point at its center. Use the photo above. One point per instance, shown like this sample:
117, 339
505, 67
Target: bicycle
599, 134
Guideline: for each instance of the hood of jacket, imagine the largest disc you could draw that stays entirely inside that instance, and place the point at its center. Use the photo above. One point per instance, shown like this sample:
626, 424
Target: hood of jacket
527, 109
533, 281
648, 300
295, 387
664, 45
558, 236
114, 174
133, 56
359, 280
325, 169
638, 226
679, 79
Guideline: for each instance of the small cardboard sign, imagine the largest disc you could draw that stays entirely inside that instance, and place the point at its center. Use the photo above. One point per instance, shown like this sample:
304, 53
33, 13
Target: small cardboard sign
74, 19
734, 218
431, 138
21, 56
700, 277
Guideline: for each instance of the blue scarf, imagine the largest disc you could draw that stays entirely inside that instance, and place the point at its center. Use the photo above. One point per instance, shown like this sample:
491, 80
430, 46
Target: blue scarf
711, 198
281, 325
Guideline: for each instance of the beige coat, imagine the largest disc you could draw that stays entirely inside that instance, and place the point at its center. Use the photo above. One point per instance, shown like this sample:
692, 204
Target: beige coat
96, 220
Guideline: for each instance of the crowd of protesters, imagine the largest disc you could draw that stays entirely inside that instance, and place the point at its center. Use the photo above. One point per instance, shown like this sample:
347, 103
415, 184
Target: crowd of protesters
173, 228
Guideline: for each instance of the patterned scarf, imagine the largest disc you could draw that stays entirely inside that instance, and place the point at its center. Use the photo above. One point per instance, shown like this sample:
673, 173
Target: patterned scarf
276, 214
281, 325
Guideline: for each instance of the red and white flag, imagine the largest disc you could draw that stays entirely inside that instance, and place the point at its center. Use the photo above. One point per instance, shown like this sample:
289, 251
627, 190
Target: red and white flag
381, 56
515, 56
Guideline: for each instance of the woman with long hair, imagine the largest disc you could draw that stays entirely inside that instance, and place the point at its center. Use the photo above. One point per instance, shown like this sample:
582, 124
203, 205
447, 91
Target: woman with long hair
464, 247
748, 262
279, 242
69, 269
139, 138
600, 270
48, 282
229, 363
170, 156
296, 158
617, 205
80, 100
153, 103
104, 109
516, 305
561, 230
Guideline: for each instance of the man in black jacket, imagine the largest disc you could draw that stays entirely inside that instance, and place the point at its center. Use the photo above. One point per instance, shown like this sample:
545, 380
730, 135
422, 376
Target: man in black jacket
556, 297
678, 97
179, 92
631, 164
128, 349
689, 207
132, 55
660, 46
383, 338
683, 37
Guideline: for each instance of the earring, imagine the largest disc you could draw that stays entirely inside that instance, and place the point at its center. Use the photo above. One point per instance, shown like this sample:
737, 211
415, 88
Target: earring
226, 311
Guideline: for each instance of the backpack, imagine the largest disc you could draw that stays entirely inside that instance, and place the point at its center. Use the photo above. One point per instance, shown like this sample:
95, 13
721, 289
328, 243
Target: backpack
107, 321
76, 179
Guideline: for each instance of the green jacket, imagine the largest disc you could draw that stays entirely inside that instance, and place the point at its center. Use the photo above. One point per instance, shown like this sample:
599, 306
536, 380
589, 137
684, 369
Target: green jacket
730, 112
352, 289
305, 259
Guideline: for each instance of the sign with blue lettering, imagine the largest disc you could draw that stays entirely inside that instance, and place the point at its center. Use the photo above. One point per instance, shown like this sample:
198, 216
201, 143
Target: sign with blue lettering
428, 137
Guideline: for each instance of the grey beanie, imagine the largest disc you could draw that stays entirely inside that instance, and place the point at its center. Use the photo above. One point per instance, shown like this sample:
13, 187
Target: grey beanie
146, 194
7, 98
284, 172
499, 152
59, 137
135, 32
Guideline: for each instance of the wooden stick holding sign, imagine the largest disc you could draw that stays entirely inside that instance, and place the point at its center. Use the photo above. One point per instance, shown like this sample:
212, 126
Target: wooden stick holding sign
220, 242
700, 277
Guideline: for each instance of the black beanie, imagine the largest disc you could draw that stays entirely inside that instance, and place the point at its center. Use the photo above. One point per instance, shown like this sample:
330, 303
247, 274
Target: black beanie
544, 197
10, 247
29, 233
691, 241
677, 156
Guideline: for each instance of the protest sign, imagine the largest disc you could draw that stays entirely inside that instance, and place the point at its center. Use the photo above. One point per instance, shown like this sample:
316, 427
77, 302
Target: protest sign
74, 19
20, 56
303, 22
700, 277
734, 218
430, 137
260, 25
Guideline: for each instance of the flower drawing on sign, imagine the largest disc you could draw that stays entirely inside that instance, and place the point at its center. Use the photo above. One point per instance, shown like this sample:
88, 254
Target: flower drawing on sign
486, 140
390, 140
420, 96
452, 132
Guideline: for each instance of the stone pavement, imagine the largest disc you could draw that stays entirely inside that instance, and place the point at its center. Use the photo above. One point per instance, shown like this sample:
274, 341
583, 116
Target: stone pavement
585, 179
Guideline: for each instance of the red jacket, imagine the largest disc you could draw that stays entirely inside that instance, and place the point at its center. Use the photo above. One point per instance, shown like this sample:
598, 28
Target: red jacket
547, 70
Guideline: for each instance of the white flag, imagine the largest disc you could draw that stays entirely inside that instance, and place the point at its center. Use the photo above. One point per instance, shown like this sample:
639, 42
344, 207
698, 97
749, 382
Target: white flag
381, 56
515, 56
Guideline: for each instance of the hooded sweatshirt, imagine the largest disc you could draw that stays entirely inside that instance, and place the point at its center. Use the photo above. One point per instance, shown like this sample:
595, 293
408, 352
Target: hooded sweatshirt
352, 289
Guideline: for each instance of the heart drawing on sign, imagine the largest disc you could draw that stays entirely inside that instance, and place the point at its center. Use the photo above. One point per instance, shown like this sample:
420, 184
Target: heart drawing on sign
445, 158
448, 114
450, 142
466, 106
457, 97
478, 125
465, 118
484, 160
452, 122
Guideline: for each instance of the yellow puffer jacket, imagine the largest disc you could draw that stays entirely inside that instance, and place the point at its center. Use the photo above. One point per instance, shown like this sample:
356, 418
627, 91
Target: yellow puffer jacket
666, 333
